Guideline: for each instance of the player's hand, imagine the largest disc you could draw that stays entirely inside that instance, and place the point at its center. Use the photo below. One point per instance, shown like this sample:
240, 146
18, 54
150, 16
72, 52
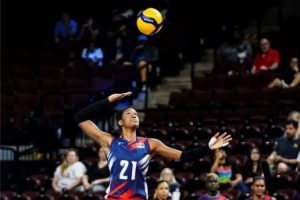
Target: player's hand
87, 186
117, 97
219, 141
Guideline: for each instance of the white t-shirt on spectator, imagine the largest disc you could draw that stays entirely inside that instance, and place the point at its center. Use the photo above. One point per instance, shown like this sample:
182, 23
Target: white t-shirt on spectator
70, 174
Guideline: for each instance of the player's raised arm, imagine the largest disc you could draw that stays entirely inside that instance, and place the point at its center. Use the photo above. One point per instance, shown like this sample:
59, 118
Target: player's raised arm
157, 147
83, 117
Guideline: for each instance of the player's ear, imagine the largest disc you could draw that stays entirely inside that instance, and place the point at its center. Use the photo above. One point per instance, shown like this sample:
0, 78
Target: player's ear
120, 123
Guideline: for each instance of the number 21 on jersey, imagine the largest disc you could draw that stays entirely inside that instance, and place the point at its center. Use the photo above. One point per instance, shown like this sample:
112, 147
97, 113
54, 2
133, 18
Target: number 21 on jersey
124, 164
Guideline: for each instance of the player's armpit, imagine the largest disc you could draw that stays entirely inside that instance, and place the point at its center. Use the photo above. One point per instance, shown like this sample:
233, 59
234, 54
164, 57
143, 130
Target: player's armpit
159, 148
101, 137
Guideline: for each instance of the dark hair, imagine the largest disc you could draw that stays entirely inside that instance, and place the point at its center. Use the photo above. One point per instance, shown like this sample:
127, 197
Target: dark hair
159, 182
257, 178
120, 113
249, 162
294, 123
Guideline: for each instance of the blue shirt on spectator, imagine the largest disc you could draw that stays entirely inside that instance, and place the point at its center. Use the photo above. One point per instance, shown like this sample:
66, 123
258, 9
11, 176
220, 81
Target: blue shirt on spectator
61, 29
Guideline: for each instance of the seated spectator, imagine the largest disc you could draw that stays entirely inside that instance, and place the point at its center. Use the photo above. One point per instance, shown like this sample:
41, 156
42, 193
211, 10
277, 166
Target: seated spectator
174, 187
142, 56
92, 55
89, 31
65, 29
243, 63
258, 189
286, 150
267, 60
117, 53
228, 172
227, 54
97, 176
291, 77
68, 175
255, 166
212, 185
162, 191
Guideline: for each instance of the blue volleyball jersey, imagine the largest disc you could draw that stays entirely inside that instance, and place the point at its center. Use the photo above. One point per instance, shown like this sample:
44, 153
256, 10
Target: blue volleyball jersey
128, 163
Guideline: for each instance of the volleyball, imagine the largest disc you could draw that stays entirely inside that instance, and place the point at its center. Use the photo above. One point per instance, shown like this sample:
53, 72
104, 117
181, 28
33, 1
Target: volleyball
149, 21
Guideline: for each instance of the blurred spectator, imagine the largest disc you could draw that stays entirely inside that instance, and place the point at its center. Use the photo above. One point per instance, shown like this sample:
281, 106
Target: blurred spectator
143, 56
243, 63
212, 185
174, 187
228, 172
162, 191
68, 175
291, 77
89, 31
267, 59
258, 189
295, 115
65, 29
228, 52
93, 55
117, 53
255, 166
97, 176
286, 150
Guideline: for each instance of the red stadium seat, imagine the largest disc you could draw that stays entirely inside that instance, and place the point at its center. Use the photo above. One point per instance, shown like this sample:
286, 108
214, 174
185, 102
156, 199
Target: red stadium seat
77, 86
26, 86
50, 86
8, 194
184, 177
26, 103
203, 83
51, 73
75, 73
73, 100
178, 99
100, 72
289, 192
98, 85
199, 98
30, 195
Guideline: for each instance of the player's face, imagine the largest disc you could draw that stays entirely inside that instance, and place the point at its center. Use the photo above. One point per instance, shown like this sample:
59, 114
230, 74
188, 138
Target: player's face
254, 155
130, 118
259, 187
71, 157
212, 184
162, 191
290, 130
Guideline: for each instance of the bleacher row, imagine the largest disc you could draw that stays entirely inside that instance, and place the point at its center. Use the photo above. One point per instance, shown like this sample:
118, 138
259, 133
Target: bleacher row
49, 90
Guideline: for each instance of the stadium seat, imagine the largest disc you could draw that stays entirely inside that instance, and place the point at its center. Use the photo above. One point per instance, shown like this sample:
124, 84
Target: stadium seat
75, 73
26, 102
281, 182
50, 86
30, 195
77, 86
203, 83
239, 158
26, 86
178, 99
50, 73
199, 98
232, 194
99, 85
289, 192
23, 73
73, 100
100, 72
248, 81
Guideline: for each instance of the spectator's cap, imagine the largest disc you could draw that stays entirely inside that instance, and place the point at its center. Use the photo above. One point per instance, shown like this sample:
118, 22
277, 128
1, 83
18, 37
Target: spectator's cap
142, 38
